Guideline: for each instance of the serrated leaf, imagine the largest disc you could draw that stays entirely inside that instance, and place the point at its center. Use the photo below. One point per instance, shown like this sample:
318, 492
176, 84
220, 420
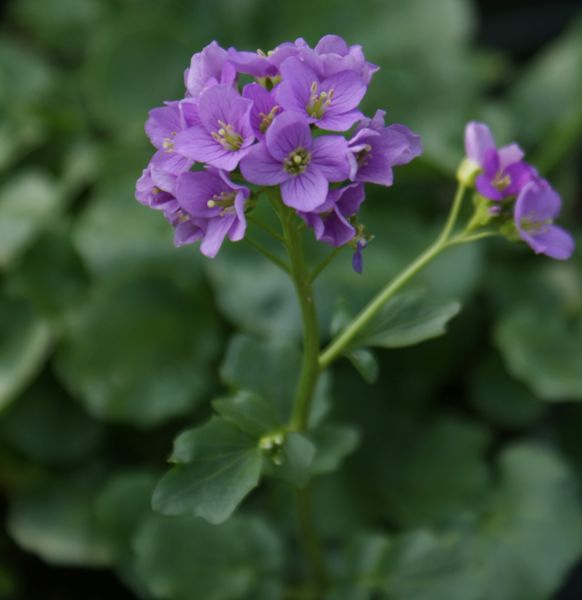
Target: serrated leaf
407, 319
249, 412
217, 466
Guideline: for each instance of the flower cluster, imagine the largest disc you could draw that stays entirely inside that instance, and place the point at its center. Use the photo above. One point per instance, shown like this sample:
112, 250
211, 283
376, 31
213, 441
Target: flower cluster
295, 125
514, 192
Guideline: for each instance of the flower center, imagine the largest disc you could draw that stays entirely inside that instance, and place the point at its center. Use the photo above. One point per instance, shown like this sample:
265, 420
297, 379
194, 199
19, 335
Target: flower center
224, 200
227, 136
266, 120
168, 143
319, 102
297, 161
364, 155
501, 181
532, 225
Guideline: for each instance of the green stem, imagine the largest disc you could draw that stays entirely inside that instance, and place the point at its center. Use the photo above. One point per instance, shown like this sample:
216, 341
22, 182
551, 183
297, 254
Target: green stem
338, 345
310, 542
301, 281
268, 254
305, 389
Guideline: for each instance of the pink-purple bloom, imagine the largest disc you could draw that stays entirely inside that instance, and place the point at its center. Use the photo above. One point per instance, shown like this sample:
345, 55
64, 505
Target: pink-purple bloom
331, 223
514, 187
536, 208
329, 102
211, 197
220, 144
224, 134
503, 170
207, 68
302, 165
376, 149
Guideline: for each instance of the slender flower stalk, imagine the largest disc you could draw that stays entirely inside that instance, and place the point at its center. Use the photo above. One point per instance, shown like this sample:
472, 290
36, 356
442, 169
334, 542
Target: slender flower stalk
339, 344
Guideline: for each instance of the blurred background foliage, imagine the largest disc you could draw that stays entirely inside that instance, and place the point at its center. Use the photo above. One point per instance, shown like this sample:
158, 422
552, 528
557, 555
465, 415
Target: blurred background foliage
466, 482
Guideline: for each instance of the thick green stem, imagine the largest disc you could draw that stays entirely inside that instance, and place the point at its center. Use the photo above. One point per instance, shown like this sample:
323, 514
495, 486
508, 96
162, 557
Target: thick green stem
305, 390
339, 344
310, 542
310, 366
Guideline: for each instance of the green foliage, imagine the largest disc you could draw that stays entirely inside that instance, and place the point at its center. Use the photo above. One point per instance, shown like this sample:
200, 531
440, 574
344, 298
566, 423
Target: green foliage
430, 481
217, 466
407, 319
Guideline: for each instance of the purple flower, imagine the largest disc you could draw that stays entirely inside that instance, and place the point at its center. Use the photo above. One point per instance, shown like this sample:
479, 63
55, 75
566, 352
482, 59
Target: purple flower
303, 166
260, 65
332, 55
162, 126
264, 108
330, 223
224, 134
504, 173
330, 102
207, 68
376, 149
535, 210
210, 197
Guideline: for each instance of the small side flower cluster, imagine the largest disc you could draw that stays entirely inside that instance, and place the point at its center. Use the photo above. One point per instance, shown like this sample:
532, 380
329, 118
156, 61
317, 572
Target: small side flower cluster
514, 193
296, 125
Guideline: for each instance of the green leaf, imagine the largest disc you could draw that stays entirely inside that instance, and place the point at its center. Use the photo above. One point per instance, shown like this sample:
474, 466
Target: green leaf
334, 443
49, 427
267, 308
218, 465
249, 412
184, 558
407, 319
519, 548
57, 521
121, 506
50, 274
24, 345
28, 202
118, 238
431, 473
271, 370
547, 92
503, 400
139, 352
545, 353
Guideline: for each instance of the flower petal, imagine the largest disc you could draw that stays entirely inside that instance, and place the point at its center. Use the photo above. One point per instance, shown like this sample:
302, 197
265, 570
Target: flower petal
305, 192
509, 155
259, 167
331, 156
478, 139
195, 189
216, 231
288, 132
